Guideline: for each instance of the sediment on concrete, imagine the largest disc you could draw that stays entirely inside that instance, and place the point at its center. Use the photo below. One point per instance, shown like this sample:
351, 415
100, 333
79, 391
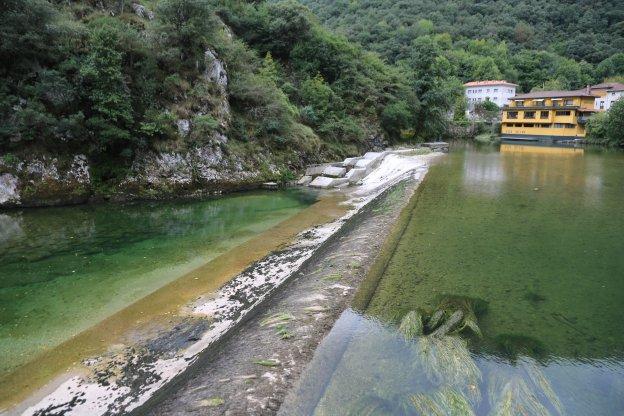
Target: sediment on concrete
230, 380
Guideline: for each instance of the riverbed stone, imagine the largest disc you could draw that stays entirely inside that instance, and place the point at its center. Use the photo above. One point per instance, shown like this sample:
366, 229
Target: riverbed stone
334, 172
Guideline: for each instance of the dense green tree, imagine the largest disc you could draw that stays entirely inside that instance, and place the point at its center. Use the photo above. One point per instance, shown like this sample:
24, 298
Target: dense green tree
112, 118
396, 118
576, 29
184, 27
434, 86
460, 108
608, 127
612, 66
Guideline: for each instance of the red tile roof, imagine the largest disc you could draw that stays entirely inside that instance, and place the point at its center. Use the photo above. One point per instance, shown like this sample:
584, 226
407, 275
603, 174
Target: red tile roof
484, 83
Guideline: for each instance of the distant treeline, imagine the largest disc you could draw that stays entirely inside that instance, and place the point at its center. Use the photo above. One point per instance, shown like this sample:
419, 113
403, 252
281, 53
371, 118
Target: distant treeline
558, 44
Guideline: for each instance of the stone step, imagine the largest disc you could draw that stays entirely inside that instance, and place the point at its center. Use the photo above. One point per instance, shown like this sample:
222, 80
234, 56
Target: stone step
350, 162
355, 175
316, 170
324, 182
334, 172
306, 179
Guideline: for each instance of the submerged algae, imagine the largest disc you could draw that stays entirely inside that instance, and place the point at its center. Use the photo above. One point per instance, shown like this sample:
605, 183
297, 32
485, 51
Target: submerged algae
479, 229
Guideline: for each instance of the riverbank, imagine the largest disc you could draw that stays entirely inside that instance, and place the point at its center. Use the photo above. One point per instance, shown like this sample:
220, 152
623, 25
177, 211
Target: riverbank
128, 375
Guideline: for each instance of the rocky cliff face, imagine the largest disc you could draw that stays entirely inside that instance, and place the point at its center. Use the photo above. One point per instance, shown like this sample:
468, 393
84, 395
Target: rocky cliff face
205, 168
44, 181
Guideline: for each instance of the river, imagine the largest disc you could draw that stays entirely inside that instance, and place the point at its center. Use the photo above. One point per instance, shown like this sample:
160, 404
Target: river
531, 238
64, 270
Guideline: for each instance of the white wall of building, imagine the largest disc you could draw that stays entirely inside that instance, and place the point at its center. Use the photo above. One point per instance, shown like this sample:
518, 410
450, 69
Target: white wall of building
498, 94
605, 103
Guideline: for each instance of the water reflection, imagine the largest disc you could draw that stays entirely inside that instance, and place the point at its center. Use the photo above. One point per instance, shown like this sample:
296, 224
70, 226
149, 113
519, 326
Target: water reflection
367, 367
532, 233
64, 269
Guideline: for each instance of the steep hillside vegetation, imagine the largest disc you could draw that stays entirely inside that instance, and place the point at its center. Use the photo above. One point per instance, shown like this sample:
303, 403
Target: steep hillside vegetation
166, 94
540, 44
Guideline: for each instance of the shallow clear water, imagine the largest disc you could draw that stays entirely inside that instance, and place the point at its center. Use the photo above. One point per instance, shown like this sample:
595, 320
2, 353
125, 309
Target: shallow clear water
537, 234
64, 269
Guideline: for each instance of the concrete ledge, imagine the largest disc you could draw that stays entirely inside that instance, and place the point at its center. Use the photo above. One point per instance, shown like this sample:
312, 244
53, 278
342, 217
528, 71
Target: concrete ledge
324, 182
350, 161
334, 172
316, 170
306, 179
355, 175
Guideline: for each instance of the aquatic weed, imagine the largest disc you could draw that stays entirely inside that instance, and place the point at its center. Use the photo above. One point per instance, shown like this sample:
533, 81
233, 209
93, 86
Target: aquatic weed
411, 326
513, 345
283, 331
276, 319
333, 277
267, 363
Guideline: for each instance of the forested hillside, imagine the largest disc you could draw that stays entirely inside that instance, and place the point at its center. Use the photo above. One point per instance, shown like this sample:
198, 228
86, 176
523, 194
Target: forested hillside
539, 44
259, 88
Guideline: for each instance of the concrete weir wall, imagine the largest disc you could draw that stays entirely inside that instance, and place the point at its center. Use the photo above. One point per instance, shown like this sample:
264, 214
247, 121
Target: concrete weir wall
353, 170
112, 386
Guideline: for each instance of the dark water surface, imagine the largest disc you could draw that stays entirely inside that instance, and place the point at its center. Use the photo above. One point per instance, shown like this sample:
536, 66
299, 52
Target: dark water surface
537, 234
64, 269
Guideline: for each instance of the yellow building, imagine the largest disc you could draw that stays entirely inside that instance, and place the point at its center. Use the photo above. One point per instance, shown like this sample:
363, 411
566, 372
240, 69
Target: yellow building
548, 115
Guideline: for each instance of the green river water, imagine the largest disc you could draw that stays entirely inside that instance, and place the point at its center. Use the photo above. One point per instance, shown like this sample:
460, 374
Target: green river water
535, 233
64, 269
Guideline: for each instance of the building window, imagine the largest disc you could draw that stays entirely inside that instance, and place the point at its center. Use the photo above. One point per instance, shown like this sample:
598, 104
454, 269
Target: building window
569, 102
495, 89
519, 103
602, 105
528, 125
543, 114
562, 113
539, 103
558, 126
529, 114
569, 126
512, 114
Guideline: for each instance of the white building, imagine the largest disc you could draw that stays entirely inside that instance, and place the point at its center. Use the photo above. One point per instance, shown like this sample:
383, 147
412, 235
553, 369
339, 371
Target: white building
609, 93
498, 92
